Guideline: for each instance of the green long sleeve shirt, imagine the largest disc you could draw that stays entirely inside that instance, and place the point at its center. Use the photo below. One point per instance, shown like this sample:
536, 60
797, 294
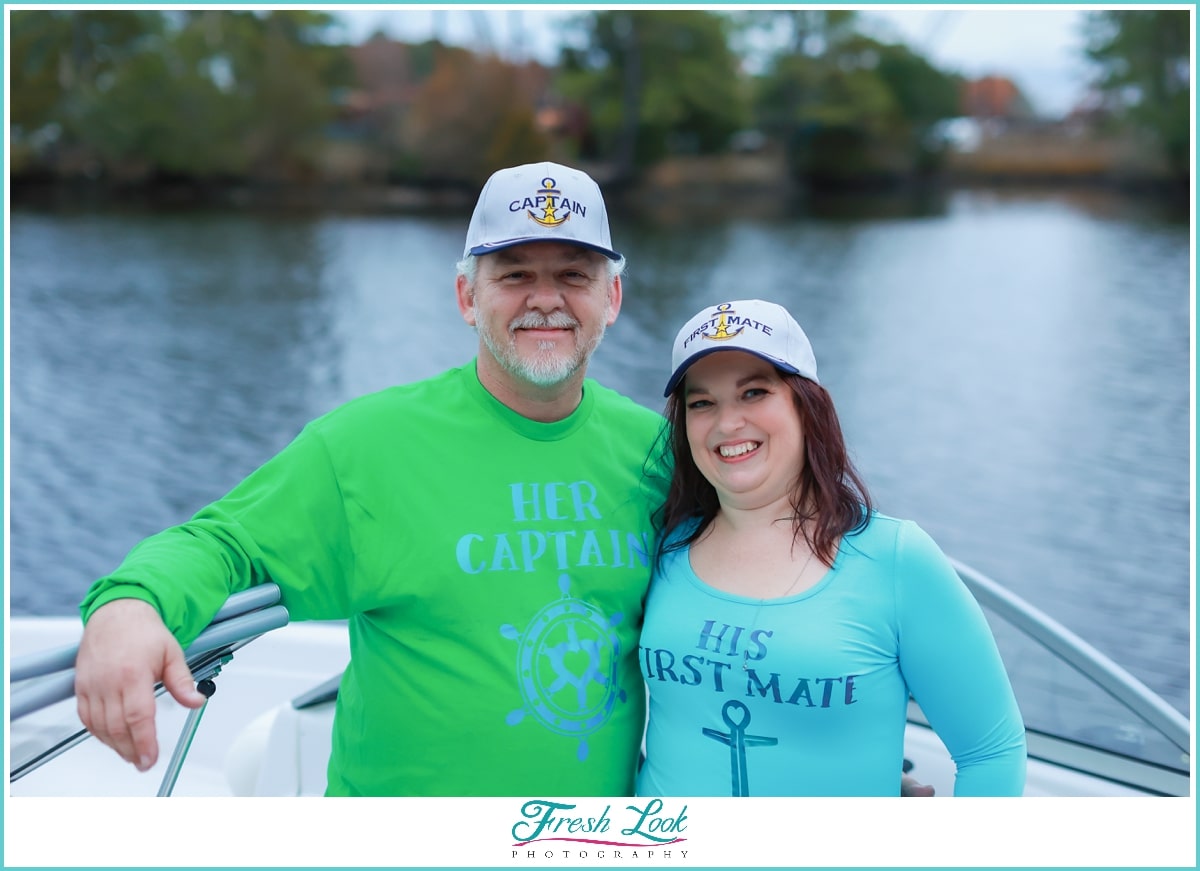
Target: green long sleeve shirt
492, 570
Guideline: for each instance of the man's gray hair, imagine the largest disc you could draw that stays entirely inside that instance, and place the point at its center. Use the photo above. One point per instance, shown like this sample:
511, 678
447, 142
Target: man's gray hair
469, 265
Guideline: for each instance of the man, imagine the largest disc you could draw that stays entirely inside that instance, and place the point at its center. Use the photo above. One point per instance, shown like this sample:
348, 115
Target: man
486, 533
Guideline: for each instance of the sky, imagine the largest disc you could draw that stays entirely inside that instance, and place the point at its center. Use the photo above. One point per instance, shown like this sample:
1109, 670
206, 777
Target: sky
1038, 48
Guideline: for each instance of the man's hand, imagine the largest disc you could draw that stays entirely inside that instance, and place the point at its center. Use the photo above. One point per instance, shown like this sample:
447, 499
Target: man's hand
126, 649
909, 788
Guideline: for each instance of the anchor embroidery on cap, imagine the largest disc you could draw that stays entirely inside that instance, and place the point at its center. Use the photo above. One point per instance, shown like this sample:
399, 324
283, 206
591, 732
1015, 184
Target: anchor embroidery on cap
722, 330
549, 217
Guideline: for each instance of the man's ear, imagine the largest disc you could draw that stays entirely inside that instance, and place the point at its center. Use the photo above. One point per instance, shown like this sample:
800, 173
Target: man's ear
465, 295
614, 301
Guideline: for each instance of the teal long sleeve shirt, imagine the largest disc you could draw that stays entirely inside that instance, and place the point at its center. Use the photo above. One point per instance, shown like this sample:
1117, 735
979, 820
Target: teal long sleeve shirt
808, 695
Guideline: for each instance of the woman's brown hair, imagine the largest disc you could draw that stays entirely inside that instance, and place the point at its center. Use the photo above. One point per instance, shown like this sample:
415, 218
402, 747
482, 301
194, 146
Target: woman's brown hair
829, 498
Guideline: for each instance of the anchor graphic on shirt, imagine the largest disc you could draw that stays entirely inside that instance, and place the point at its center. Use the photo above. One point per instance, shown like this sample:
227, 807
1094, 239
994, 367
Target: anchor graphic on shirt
737, 740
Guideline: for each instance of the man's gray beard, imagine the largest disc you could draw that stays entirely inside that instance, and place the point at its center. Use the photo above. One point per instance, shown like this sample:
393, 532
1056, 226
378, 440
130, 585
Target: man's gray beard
542, 371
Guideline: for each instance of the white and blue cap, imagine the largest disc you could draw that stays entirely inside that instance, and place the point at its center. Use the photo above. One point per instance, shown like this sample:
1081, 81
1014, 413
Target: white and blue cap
764, 329
539, 202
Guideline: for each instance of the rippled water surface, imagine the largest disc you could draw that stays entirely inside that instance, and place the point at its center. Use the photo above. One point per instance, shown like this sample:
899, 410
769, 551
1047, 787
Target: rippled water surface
1012, 372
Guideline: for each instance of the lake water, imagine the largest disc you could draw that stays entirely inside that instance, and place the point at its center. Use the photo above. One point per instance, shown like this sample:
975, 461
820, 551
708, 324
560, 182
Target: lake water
1012, 371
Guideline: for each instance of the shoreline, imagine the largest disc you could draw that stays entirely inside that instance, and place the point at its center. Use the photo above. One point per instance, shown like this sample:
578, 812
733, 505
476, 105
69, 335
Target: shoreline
653, 195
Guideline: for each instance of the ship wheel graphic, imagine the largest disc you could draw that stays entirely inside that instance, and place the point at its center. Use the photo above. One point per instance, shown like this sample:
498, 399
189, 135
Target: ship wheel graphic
567, 667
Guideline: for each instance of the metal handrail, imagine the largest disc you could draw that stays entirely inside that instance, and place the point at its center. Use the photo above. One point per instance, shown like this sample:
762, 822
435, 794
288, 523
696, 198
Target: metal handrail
244, 615
1080, 655
50, 675
204, 667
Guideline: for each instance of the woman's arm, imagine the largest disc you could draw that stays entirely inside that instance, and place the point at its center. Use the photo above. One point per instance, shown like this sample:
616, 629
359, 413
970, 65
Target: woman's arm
953, 668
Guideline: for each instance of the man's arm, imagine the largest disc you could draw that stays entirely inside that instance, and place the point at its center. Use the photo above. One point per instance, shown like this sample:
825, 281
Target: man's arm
126, 649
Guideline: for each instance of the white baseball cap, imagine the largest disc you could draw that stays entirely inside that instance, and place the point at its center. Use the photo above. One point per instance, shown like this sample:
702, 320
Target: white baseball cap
764, 329
539, 202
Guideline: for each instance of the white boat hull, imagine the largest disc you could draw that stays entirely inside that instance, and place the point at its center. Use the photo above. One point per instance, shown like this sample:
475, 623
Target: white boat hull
251, 741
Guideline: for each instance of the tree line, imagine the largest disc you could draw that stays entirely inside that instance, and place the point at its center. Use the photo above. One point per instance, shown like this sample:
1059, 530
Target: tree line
274, 96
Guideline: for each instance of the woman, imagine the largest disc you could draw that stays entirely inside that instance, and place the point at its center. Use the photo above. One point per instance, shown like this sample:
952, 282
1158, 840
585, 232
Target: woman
788, 622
